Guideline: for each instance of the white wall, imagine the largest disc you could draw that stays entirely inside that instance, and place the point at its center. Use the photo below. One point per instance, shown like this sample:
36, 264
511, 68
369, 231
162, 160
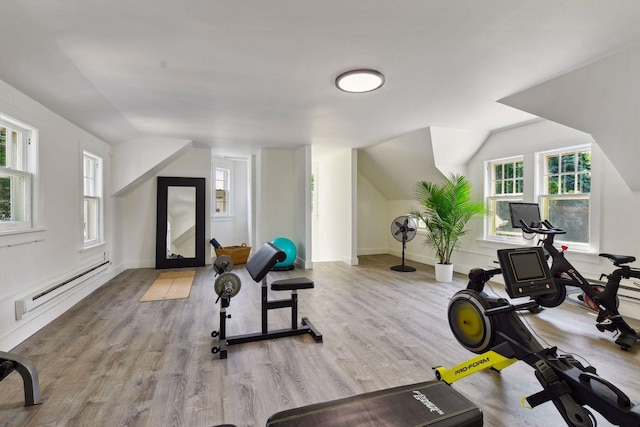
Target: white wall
372, 219
30, 262
136, 217
275, 197
282, 198
334, 218
302, 208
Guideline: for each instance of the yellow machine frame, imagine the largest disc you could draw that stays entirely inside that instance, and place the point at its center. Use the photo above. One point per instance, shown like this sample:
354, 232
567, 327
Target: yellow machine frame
489, 359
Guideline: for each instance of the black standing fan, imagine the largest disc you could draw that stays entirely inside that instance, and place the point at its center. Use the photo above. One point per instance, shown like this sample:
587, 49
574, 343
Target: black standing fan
403, 229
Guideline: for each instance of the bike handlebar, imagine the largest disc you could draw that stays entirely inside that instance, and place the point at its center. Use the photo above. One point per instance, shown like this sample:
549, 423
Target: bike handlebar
545, 227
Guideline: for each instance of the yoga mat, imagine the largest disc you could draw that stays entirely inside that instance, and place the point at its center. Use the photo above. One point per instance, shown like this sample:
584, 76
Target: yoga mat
170, 285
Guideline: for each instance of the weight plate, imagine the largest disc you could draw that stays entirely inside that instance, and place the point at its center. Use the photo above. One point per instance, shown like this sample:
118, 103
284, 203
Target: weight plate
227, 285
223, 264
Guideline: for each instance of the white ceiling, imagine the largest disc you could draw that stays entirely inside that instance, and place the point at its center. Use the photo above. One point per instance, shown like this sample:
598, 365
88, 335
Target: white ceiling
239, 75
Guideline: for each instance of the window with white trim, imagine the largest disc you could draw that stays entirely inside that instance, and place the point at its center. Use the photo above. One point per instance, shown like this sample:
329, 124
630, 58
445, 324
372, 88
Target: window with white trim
565, 192
223, 192
93, 199
505, 182
17, 169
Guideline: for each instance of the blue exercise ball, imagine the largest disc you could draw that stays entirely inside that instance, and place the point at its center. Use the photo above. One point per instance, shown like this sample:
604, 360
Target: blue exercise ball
289, 248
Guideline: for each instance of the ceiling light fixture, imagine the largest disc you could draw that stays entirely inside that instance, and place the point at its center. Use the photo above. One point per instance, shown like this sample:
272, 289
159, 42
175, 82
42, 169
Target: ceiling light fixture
359, 81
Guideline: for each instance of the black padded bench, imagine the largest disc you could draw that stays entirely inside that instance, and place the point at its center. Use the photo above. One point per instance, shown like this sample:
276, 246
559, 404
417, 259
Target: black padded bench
12, 362
258, 266
432, 403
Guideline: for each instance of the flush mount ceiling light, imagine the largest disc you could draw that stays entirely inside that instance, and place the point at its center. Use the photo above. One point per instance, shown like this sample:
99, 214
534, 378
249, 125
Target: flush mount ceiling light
359, 81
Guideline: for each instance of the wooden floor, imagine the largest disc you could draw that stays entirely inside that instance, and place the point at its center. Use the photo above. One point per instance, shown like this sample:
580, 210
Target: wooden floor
114, 361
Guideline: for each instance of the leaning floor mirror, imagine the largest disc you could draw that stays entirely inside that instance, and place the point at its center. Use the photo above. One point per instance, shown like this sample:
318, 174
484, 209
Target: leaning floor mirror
180, 239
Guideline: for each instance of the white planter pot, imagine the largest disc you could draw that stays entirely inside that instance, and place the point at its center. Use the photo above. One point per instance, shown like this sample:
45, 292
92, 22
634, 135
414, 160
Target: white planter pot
444, 273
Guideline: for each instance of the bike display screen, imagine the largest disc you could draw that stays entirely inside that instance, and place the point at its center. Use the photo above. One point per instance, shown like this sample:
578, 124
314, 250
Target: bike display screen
526, 266
525, 272
529, 213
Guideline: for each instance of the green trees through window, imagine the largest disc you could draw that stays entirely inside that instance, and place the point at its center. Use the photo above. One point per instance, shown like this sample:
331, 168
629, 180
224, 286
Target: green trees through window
5, 182
568, 173
507, 185
566, 196
15, 176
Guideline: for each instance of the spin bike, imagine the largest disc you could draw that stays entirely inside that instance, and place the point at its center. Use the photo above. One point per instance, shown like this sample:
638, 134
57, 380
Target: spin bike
603, 300
490, 327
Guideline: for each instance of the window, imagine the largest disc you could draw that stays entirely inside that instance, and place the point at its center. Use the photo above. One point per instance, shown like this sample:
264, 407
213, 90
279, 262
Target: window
559, 181
505, 184
223, 191
17, 160
92, 207
565, 192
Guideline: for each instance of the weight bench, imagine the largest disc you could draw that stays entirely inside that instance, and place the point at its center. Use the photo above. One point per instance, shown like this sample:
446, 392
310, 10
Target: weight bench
11, 362
258, 267
431, 403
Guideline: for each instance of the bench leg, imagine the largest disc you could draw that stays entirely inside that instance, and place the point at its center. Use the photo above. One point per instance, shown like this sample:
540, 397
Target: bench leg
29, 376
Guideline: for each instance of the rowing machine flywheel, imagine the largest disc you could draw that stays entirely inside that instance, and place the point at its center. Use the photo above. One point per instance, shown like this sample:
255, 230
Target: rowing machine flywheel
473, 329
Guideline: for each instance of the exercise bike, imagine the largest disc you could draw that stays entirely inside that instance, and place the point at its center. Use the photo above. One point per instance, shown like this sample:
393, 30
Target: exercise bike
603, 300
490, 327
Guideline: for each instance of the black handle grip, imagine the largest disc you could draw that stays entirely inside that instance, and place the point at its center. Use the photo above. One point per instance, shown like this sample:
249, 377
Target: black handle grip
623, 399
547, 229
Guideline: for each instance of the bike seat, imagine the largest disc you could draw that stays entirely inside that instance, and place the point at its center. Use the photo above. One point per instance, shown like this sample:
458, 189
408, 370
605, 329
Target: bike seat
619, 259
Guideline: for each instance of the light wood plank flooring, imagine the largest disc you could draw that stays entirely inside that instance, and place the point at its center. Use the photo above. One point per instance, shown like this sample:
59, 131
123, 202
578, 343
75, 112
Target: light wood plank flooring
114, 361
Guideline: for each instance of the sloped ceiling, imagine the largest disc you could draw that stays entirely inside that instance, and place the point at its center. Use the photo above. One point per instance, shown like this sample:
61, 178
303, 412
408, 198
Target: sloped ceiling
602, 99
386, 165
141, 159
395, 166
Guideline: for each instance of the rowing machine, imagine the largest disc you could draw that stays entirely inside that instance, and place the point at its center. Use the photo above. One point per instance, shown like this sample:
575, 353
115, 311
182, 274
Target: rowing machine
489, 327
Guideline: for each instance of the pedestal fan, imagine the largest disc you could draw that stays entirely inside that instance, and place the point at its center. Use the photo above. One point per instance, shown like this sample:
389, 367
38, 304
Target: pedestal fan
403, 229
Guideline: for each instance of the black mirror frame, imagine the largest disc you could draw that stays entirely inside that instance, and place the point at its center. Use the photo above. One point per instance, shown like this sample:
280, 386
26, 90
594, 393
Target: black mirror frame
161, 222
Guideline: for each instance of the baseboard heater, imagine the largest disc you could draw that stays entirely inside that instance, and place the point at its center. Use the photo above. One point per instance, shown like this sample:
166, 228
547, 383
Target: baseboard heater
32, 302
630, 292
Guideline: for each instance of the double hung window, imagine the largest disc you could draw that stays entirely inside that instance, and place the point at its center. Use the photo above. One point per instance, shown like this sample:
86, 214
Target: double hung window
223, 192
92, 206
560, 183
565, 192
506, 184
17, 160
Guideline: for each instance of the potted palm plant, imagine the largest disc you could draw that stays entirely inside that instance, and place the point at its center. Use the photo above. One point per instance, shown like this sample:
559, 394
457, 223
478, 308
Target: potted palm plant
446, 208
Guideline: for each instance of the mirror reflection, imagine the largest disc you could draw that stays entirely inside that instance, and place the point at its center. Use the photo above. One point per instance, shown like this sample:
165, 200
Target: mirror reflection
181, 222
